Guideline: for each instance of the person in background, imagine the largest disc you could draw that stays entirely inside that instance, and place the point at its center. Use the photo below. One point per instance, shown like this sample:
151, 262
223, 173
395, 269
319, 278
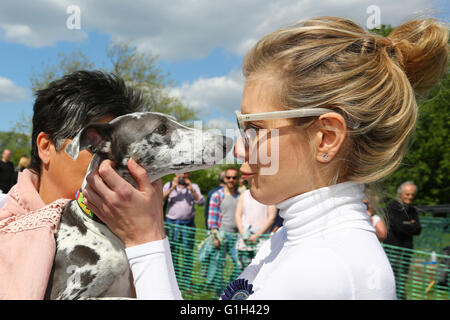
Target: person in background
253, 219
6, 172
404, 224
24, 162
377, 221
208, 196
222, 208
181, 196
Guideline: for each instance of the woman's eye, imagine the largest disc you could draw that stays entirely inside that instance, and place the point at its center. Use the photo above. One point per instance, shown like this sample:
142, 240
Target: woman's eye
162, 129
251, 127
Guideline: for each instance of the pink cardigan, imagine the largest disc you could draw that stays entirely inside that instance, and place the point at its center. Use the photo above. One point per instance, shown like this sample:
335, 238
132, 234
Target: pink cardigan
27, 242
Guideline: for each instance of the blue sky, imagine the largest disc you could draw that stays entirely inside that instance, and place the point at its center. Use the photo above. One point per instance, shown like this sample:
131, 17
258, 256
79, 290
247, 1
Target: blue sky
200, 43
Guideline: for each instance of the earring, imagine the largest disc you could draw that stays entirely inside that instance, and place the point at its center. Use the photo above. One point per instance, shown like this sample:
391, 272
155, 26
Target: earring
325, 157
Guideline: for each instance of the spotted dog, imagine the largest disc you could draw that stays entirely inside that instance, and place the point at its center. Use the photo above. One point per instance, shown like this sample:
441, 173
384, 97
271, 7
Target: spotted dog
90, 260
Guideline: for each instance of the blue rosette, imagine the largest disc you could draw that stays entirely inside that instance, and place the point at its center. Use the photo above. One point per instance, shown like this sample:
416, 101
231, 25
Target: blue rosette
238, 289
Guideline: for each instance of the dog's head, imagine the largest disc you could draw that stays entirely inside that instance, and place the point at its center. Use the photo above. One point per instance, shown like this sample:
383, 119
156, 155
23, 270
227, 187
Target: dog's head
154, 140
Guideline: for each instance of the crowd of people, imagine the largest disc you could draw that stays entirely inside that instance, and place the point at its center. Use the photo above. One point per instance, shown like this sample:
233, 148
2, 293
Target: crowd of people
238, 225
234, 218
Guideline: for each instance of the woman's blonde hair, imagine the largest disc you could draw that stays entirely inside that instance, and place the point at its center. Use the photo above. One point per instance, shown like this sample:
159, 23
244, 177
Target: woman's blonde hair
369, 79
24, 162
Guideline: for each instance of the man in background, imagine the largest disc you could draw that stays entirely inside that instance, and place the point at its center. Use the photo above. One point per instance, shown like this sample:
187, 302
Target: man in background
404, 224
6, 172
222, 223
182, 195
210, 193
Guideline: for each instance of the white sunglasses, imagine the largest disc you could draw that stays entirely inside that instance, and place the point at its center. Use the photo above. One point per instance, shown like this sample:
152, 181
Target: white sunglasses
295, 113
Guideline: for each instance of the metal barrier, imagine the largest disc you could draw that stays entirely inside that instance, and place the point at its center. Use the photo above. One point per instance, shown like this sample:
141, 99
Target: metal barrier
203, 271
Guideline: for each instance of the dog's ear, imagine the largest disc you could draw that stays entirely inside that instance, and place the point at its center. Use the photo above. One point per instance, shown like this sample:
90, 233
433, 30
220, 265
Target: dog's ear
95, 137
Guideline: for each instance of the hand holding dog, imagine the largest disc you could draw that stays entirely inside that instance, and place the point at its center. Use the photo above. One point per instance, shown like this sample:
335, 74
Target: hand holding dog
134, 215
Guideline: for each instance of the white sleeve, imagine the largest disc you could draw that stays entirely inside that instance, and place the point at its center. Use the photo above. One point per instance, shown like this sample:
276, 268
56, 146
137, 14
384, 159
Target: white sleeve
375, 219
153, 272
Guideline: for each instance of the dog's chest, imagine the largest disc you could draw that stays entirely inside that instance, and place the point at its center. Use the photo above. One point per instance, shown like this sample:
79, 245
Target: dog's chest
90, 260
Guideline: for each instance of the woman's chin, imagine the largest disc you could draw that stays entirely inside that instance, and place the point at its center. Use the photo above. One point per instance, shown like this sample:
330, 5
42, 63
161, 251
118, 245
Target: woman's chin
262, 195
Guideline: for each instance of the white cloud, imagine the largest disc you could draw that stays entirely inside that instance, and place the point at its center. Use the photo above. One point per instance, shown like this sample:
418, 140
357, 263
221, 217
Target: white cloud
221, 93
179, 29
11, 92
37, 23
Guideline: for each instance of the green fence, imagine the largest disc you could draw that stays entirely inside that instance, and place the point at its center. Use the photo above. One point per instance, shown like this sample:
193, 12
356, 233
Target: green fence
419, 275
435, 235
203, 271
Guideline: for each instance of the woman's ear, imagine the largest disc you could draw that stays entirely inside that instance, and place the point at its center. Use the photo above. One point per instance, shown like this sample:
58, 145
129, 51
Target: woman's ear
44, 145
330, 136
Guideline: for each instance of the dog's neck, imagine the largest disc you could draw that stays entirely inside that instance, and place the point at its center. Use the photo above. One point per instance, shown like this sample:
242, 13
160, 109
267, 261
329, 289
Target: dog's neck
81, 204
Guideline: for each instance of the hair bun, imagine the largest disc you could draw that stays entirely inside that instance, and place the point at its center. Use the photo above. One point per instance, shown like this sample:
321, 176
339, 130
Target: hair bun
422, 50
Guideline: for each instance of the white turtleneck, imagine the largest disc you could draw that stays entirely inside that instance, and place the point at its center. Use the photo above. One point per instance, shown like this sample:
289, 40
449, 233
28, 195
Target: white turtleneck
326, 249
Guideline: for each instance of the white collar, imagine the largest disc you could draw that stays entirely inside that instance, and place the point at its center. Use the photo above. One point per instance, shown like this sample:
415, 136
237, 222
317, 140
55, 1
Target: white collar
324, 210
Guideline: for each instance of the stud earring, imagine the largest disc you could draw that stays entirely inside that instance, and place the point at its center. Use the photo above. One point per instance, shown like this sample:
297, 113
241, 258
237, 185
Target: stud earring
325, 157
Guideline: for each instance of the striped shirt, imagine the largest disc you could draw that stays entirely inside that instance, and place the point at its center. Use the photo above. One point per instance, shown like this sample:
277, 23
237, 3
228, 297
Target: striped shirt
215, 212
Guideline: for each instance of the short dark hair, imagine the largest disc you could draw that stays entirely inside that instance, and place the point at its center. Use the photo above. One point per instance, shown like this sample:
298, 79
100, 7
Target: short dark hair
69, 104
222, 177
232, 168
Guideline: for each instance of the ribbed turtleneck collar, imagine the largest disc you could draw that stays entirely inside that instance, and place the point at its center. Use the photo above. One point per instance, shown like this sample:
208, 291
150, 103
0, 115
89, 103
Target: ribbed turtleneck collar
324, 210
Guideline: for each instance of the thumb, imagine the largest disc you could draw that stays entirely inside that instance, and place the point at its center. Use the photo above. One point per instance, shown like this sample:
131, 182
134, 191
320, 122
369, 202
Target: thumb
140, 175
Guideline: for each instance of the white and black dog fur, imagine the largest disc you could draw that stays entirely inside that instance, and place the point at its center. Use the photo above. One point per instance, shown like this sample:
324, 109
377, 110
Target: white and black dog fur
90, 260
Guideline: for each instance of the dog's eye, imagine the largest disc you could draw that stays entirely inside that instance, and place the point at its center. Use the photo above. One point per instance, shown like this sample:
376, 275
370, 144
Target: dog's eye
162, 129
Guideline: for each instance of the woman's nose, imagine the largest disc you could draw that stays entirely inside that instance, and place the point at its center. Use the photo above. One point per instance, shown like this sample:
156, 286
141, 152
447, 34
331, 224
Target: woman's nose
239, 149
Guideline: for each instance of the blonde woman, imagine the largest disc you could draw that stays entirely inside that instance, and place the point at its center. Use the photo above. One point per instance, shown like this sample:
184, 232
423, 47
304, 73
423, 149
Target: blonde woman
338, 103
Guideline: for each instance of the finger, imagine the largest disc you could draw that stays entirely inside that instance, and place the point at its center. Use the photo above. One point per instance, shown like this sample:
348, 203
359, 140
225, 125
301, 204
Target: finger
140, 175
97, 184
96, 204
110, 176
157, 187
157, 184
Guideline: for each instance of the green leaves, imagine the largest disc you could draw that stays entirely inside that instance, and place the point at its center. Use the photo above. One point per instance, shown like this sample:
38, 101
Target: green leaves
427, 161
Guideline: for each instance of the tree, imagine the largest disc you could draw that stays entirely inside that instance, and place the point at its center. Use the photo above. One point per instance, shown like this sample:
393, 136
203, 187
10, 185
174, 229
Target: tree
138, 69
384, 30
76, 60
427, 161
18, 143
